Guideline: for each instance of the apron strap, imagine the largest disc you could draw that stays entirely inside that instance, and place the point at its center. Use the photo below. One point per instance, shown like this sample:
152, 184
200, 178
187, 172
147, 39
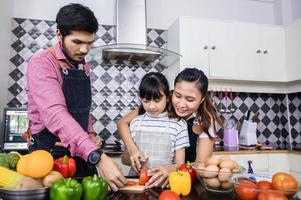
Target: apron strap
63, 64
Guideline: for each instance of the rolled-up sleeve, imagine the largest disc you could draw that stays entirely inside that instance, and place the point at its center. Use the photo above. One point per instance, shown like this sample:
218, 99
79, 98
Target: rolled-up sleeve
45, 90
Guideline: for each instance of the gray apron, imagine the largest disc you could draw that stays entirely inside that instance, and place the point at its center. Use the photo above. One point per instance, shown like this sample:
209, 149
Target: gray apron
155, 144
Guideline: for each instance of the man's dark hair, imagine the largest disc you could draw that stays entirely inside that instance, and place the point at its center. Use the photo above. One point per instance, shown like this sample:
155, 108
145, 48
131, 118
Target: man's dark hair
76, 17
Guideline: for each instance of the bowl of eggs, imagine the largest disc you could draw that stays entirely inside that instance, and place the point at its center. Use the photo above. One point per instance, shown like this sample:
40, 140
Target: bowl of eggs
214, 174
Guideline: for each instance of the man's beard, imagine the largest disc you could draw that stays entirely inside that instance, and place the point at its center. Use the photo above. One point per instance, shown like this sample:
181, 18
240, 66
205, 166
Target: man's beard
66, 53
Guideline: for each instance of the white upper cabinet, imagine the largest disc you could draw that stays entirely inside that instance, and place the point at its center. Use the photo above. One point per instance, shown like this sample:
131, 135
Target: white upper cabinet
261, 55
293, 46
189, 37
273, 53
229, 50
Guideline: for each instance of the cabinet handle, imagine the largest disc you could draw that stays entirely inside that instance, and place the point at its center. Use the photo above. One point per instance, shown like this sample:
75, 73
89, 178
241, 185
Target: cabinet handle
213, 47
206, 47
265, 51
258, 51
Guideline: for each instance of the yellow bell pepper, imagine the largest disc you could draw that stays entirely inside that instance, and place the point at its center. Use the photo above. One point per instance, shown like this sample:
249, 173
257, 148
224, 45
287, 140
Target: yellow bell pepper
180, 182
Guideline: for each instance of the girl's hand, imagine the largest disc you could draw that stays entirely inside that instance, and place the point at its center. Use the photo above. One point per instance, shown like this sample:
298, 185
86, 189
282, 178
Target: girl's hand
158, 177
137, 159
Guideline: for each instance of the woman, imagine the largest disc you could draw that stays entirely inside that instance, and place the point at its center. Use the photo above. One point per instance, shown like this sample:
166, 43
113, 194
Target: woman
190, 101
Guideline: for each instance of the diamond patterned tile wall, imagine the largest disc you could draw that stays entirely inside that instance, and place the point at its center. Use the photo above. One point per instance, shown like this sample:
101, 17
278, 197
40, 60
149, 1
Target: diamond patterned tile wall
115, 83
295, 117
270, 128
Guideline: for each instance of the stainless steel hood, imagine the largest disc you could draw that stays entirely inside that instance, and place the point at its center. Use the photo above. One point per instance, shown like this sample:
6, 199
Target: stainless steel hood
131, 37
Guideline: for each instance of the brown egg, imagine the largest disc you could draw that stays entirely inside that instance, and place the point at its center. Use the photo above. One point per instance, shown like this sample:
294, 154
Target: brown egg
236, 166
227, 164
212, 161
224, 174
225, 157
226, 185
235, 170
211, 171
212, 182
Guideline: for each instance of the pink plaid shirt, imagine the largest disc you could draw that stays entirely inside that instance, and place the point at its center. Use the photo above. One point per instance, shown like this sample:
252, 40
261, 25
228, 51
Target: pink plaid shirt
47, 107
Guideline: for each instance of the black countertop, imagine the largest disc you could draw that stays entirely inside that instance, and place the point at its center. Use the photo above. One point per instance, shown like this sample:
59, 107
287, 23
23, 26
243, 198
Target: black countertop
198, 192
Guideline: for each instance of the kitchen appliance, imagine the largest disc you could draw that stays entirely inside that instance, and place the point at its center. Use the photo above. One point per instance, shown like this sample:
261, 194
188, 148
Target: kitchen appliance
15, 122
131, 37
247, 134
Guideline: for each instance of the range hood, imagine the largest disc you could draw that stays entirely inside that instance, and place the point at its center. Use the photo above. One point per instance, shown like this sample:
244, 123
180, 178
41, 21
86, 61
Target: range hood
131, 37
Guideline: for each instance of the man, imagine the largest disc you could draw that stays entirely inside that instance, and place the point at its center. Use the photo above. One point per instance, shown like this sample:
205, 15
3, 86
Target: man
59, 97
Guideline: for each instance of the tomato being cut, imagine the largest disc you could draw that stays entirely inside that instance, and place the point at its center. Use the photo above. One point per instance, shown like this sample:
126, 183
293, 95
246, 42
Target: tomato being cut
143, 176
271, 195
264, 185
169, 195
285, 182
246, 190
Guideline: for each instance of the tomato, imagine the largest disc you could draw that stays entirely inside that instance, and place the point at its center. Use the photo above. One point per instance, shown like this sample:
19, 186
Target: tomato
271, 195
246, 190
264, 185
285, 182
143, 176
169, 195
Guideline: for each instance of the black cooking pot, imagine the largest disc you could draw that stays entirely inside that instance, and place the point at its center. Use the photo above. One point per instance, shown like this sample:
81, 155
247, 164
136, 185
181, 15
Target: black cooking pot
36, 194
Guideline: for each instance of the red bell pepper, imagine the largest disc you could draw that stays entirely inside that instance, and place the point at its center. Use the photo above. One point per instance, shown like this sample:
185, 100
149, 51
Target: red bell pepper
66, 166
188, 168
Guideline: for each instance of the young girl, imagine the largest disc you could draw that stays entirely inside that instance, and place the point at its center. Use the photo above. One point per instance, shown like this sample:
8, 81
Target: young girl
161, 139
190, 101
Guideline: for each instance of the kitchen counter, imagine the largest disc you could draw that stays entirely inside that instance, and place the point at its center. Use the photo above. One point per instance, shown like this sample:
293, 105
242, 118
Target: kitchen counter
274, 149
197, 193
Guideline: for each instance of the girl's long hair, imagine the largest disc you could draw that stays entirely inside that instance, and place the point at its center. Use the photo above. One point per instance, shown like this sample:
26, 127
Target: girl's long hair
206, 114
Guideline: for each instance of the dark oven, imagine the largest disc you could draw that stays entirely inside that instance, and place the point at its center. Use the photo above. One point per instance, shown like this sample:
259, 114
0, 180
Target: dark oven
15, 122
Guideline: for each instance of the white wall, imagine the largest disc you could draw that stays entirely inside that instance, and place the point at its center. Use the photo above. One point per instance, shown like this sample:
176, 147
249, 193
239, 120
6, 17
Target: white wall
287, 11
6, 11
47, 9
160, 13
296, 9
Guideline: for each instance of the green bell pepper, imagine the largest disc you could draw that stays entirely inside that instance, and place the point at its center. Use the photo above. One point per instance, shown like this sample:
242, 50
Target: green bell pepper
66, 189
95, 188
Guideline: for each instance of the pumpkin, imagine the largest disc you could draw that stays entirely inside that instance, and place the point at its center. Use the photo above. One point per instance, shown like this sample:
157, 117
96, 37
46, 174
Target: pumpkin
36, 164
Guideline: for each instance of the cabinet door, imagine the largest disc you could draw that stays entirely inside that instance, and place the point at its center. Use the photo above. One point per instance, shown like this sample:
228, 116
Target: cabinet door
293, 47
249, 52
273, 53
223, 49
278, 163
259, 161
194, 44
295, 163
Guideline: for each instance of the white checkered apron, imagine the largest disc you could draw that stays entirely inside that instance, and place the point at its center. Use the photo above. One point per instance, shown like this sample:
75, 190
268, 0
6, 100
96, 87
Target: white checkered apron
155, 144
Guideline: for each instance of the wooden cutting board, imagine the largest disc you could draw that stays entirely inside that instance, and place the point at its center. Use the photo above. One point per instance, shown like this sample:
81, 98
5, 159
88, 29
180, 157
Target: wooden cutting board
133, 188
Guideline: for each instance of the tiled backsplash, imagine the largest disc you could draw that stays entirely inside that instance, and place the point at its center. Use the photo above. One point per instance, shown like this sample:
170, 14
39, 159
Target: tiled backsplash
115, 84
294, 108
